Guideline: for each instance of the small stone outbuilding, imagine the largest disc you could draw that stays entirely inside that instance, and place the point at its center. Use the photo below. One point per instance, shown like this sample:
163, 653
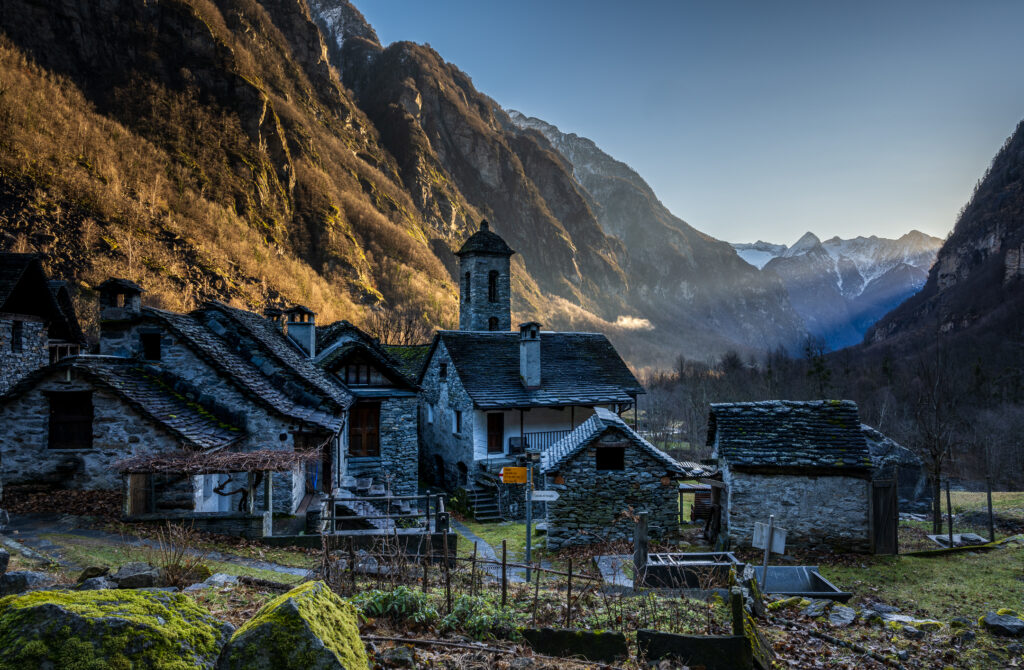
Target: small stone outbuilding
604, 472
806, 463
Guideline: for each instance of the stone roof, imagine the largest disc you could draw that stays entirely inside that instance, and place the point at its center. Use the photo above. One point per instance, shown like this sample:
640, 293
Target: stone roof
887, 453
823, 435
590, 430
148, 390
399, 361
576, 369
269, 336
410, 357
25, 289
241, 373
484, 241
121, 284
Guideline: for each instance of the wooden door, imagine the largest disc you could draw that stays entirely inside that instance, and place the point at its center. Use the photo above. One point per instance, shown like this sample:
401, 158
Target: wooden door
884, 516
364, 430
495, 433
138, 494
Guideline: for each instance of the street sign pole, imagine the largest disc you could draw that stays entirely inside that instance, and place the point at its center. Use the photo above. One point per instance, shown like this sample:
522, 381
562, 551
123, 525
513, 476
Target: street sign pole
767, 552
529, 514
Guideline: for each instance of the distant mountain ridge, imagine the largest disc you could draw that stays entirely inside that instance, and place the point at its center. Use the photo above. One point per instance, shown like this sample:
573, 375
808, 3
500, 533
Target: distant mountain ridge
842, 287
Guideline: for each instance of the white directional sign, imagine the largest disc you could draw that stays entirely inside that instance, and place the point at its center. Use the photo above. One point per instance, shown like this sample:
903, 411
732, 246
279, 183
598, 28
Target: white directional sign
545, 496
778, 537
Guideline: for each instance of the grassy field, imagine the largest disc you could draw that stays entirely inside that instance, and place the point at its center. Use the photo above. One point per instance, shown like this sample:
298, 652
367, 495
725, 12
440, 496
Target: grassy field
86, 551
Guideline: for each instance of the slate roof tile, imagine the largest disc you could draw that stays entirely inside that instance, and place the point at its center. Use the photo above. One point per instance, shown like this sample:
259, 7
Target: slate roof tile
576, 368
276, 343
242, 373
593, 428
819, 434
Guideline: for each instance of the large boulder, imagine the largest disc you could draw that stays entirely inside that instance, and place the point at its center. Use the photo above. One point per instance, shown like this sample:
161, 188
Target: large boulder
1006, 624
137, 575
19, 581
309, 627
94, 630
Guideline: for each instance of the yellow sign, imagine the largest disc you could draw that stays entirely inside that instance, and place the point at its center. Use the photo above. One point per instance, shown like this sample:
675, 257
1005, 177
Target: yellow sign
513, 475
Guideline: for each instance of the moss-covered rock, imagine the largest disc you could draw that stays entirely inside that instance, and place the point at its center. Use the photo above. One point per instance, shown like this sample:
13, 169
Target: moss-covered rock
309, 627
101, 630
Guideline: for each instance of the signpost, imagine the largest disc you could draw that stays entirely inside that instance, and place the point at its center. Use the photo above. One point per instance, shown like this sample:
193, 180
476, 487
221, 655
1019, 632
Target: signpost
771, 539
513, 475
545, 496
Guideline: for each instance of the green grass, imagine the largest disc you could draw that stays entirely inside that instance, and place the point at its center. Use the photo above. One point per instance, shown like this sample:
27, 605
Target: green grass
90, 551
965, 584
1004, 503
513, 533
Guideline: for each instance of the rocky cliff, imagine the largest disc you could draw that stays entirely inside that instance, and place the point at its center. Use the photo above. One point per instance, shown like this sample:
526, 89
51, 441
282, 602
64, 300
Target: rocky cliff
973, 291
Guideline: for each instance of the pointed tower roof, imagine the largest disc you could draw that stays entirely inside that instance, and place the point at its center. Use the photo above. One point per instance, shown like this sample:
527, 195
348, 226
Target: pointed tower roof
484, 241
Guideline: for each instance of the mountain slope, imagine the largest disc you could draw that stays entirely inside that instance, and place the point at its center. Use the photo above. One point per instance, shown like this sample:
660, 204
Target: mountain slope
841, 287
685, 280
256, 151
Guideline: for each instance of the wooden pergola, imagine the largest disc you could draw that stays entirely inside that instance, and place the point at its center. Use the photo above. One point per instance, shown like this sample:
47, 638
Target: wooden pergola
137, 470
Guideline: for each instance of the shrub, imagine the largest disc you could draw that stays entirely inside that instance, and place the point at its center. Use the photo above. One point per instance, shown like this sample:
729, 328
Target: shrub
480, 618
398, 605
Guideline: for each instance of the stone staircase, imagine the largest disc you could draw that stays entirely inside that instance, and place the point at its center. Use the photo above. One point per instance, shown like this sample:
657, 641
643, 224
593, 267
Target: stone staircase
483, 503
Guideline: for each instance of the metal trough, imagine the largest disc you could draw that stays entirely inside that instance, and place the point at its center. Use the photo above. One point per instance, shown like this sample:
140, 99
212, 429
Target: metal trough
690, 571
800, 580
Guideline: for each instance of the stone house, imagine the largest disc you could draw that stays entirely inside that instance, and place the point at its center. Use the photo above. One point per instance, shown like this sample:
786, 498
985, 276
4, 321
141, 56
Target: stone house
603, 471
38, 325
383, 442
256, 375
488, 394
806, 463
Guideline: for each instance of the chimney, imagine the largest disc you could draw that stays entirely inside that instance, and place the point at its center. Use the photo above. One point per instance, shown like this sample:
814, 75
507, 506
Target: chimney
276, 316
529, 354
301, 322
120, 300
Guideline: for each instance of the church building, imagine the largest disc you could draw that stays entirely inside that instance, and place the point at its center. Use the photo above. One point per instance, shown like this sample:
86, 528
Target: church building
489, 393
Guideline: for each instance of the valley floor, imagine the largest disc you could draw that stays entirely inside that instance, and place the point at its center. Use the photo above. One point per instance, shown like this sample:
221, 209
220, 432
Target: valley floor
463, 608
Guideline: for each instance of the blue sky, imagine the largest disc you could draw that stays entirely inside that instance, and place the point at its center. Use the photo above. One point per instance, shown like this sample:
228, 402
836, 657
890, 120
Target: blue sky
755, 120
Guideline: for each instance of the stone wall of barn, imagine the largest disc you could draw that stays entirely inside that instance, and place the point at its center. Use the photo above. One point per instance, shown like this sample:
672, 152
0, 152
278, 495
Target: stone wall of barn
33, 355
397, 465
596, 505
442, 447
118, 432
817, 512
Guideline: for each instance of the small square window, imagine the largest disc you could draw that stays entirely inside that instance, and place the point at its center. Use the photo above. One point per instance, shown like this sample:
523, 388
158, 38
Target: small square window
443, 371
611, 458
70, 420
150, 346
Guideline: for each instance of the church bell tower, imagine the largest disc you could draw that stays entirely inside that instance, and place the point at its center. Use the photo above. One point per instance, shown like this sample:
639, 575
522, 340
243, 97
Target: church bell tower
485, 286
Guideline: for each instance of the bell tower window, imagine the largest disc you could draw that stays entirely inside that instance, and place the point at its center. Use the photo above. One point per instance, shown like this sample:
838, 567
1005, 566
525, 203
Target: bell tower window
466, 290
492, 323
492, 286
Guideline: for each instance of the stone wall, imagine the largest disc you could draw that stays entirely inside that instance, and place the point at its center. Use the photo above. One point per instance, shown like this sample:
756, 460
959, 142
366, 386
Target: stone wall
437, 439
118, 432
223, 523
266, 429
397, 465
593, 504
34, 352
817, 512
